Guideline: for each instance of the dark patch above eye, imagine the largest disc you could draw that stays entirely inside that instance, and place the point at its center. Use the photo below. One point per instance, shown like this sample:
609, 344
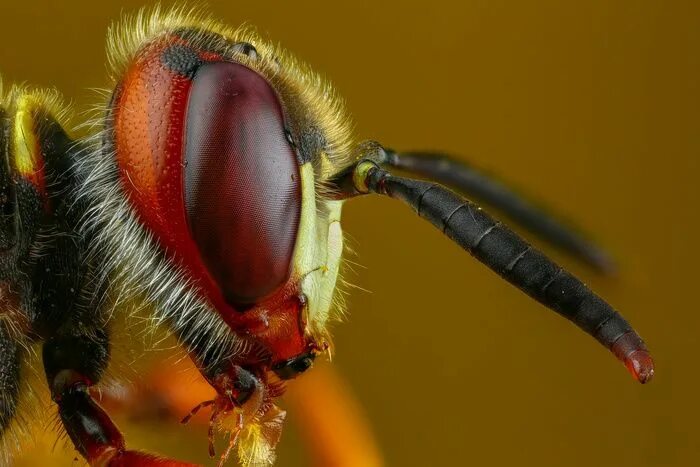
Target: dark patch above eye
181, 59
311, 142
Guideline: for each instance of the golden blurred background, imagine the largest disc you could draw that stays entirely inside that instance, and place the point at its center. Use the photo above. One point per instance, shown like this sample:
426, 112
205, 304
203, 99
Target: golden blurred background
592, 106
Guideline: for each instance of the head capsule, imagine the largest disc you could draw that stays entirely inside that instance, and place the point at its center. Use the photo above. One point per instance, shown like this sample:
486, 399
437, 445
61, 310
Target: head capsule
221, 149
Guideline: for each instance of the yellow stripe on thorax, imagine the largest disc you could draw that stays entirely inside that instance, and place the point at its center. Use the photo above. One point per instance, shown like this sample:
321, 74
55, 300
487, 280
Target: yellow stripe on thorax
27, 158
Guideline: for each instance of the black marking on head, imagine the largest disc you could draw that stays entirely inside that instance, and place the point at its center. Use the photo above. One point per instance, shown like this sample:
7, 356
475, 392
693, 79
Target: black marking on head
295, 366
311, 143
246, 49
207, 40
181, 59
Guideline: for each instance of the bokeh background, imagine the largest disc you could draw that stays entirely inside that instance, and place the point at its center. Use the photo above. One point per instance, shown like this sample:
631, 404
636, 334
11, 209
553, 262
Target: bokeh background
592, 106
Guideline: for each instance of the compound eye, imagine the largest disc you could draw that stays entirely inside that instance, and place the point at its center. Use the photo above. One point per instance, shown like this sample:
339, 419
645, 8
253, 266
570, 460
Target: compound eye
241, 181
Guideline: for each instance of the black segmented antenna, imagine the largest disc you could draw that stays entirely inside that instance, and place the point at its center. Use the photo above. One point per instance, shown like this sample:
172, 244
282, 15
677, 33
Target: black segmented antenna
467, 179
507, 254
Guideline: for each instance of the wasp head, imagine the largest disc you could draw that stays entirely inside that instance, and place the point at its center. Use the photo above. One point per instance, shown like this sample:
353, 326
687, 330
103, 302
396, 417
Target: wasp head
209, 183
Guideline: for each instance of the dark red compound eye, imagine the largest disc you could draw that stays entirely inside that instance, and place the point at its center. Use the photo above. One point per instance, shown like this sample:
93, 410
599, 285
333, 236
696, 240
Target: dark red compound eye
241, 181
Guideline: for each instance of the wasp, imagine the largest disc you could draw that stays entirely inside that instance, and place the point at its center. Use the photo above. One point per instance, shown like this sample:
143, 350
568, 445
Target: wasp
203, 200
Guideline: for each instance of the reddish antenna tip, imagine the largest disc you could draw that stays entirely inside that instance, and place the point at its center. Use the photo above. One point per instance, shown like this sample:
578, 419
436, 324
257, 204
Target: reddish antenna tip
641, 365
630, 349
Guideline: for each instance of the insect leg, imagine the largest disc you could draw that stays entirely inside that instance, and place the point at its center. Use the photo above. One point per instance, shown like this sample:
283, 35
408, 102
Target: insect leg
492, 192
73, 364
512, 258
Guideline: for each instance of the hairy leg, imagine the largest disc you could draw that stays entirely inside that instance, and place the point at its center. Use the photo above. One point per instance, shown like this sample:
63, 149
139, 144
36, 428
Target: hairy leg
329, 417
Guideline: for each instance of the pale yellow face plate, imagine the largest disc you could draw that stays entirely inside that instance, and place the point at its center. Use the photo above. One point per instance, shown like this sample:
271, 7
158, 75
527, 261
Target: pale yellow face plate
318, 252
